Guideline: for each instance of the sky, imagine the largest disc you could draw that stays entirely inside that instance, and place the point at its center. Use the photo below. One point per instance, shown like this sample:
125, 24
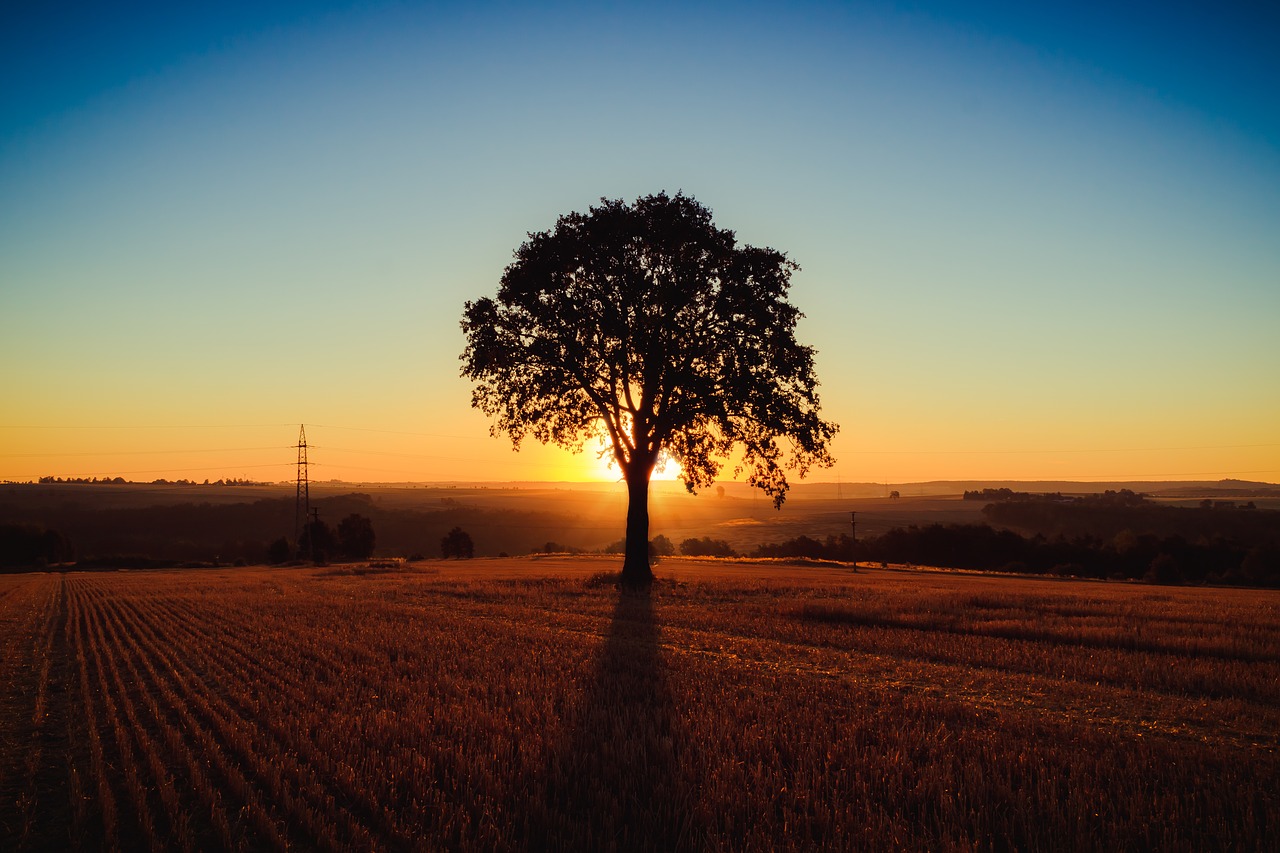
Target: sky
1036, 241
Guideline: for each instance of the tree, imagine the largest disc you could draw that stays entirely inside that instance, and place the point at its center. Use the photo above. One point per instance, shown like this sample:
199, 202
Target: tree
457, 544
355, 537
661, 546
279, 552
706, 547
651, 330
26, 545
316, 542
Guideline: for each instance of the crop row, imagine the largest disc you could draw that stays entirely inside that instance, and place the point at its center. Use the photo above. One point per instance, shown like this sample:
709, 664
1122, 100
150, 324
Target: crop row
316, 710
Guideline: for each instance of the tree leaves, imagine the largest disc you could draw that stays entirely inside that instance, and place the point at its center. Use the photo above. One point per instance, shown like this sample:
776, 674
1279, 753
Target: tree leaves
649, 324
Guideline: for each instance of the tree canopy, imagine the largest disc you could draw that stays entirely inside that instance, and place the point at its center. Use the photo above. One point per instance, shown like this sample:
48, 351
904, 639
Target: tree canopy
649, 328
457, 544
356, 538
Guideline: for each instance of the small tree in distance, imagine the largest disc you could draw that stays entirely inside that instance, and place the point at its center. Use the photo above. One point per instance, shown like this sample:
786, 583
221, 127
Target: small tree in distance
457, 544
707, 547
279, 551
316, 543
661, 546
356, 537
650, 329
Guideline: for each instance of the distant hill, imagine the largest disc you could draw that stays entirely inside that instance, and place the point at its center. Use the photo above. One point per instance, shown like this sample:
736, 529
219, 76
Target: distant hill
1160, 488
100, 495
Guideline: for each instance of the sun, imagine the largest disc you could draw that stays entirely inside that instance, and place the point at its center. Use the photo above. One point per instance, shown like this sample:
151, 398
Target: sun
605, 469
670, 471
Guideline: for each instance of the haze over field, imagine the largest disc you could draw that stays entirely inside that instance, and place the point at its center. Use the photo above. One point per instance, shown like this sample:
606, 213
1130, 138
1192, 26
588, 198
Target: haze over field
1034, 244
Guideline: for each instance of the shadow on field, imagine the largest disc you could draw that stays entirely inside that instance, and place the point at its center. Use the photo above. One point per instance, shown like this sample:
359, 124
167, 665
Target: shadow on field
617, 779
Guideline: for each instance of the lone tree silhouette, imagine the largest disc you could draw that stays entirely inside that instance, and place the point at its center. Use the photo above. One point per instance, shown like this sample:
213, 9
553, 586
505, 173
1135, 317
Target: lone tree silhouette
647, 327
356, 537
457, 544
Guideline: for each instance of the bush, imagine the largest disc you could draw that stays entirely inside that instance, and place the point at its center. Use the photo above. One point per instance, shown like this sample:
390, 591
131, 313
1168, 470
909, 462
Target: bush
355, 537
707, 547
25, 545
1164, 570
457, 544
659, 546
279, 552
317, 542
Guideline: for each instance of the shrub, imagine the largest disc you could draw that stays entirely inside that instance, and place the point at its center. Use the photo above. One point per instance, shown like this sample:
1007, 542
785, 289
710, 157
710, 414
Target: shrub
706, 547
355, 537
279, 552
659, 546
457, 544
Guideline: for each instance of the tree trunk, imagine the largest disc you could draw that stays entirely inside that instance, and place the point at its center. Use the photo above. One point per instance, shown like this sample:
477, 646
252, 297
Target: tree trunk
635, 568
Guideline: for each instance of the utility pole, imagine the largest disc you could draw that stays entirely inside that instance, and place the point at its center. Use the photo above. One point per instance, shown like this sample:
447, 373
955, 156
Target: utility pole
302, 500
853, 524
311, 538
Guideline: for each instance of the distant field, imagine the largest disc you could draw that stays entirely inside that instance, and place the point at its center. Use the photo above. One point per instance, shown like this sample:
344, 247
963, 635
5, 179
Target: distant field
224, 524
510, 704
588, 516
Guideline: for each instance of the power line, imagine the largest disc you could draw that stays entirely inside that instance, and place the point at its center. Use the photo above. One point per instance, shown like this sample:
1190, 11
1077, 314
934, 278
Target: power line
418, 456
403, 432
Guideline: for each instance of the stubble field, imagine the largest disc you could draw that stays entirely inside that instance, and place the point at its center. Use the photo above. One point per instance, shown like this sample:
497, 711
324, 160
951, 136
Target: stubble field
513, 704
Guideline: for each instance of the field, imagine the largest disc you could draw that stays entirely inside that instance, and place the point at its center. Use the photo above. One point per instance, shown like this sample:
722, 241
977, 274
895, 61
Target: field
514, 704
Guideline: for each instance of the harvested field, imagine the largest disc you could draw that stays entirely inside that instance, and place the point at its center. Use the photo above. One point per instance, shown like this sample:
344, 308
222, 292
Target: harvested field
510, 704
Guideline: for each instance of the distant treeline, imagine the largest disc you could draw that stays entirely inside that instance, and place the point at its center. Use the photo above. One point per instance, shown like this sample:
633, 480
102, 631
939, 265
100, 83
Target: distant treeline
1109, 498
1114, 535
981, 547
121, 481
40, 534
27, 545
1104, 517
1117, 535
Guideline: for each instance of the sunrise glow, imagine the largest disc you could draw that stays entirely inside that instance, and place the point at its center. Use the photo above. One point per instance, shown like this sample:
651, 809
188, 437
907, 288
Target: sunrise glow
1023, 254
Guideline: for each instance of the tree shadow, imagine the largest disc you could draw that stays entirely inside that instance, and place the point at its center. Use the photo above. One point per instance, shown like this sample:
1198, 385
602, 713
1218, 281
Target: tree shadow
616, 780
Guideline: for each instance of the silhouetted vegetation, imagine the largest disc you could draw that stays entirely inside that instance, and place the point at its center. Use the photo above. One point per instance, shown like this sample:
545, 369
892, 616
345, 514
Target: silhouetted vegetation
706, 547
647, 326
457, 544
121, 481
1116, 534
279, 551
832, 548
31, 546
356, 537
1113, 535
1253, 560
317, 542
110, 526
659, 546
1110, 514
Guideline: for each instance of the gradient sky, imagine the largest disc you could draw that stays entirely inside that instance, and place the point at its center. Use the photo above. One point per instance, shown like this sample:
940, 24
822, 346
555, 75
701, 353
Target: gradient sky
1037, 241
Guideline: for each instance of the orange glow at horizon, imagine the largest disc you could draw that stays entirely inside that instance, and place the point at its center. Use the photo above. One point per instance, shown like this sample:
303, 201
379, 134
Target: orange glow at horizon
460, 450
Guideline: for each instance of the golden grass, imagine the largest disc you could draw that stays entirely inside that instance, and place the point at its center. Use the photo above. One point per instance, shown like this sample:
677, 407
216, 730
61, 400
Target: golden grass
496, 704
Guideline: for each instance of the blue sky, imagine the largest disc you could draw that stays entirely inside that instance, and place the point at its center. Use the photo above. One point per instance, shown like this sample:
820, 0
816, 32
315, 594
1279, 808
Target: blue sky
1036, 241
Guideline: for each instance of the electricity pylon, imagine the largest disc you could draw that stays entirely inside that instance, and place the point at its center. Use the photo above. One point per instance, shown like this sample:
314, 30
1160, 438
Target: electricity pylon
302, 502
